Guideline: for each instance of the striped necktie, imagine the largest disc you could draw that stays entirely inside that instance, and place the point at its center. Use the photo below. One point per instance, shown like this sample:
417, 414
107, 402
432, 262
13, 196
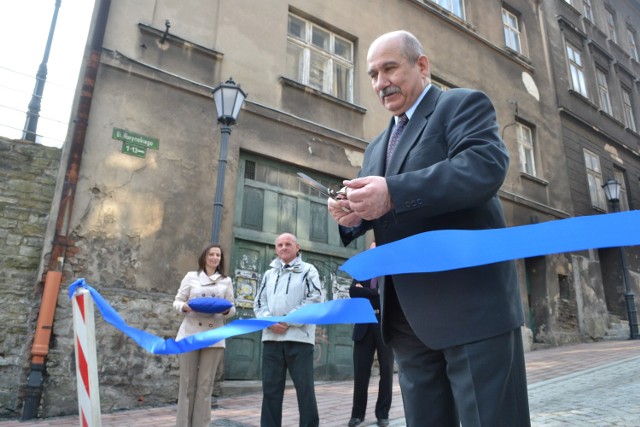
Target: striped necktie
395, 135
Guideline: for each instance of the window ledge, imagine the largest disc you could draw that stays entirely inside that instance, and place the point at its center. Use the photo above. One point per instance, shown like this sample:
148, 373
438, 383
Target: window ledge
518, 55
633, 132
612, 118
534, 178
308, 89
583, 98
619, 48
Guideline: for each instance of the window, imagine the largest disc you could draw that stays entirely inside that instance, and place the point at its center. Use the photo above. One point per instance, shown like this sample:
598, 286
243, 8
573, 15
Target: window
525, 147
576, 71
269, 186
611, 26
633, 48
319, 58
624, 201
453, 6
588, 10
443, 86
603, 91
594, 180
511, 30
627, 106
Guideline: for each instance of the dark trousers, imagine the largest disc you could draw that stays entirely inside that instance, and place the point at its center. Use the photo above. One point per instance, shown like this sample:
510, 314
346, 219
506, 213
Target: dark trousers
479, 384
297, 358
363, 351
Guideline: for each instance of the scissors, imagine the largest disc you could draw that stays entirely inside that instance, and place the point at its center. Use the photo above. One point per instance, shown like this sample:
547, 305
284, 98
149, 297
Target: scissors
329, 192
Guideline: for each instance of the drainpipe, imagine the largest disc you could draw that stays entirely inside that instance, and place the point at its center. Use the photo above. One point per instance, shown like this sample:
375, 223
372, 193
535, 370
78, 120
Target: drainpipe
40, 347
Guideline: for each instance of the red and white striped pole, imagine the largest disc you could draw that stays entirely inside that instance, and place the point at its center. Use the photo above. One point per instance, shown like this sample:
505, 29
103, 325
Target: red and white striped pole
86, 359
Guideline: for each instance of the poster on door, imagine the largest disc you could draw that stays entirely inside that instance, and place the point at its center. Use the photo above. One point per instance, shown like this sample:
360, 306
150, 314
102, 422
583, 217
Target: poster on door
246, 282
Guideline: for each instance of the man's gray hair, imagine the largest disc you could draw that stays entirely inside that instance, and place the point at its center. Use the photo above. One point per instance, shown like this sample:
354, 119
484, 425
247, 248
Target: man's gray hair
412, 47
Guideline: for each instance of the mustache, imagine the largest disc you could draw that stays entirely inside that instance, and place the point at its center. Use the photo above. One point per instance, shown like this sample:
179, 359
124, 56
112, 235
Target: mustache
389, 91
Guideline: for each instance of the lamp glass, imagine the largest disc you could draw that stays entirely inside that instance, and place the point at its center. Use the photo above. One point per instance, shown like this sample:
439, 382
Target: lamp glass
612, 189
228, 98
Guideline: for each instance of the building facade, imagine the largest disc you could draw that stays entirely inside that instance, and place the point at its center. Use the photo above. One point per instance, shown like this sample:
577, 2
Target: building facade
594, 57
146, 178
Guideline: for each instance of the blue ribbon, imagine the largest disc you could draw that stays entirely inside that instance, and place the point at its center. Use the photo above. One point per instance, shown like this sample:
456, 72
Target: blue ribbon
451, 249
354, 310
432, 251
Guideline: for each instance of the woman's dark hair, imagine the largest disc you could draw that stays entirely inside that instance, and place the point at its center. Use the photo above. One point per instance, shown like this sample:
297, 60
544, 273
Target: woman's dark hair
202, 259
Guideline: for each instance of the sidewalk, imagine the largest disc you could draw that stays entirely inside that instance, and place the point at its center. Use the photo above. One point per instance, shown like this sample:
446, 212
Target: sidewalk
592, 384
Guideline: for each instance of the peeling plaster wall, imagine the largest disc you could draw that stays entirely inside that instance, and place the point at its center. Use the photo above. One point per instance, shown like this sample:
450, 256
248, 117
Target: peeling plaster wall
138, 226
594, 319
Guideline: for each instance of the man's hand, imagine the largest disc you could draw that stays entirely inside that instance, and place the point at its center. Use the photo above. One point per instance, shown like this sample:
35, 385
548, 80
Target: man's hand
279, 328
368, 197
339, 210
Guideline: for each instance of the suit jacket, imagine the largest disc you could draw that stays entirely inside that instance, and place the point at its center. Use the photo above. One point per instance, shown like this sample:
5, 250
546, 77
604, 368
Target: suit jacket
445, 174
360, 329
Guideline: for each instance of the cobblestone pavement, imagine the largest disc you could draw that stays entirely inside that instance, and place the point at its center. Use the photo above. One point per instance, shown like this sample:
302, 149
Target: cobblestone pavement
584, 385
602, 396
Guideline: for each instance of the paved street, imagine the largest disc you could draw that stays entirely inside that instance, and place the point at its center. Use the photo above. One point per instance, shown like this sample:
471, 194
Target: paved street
602, 396
594, 384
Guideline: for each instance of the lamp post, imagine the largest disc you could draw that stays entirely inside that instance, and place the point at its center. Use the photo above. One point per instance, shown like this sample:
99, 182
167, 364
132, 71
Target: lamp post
33, 113
228, 98
612, 192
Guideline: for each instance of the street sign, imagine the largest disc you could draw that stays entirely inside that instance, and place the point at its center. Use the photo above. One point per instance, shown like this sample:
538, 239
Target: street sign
137, 139
133, 150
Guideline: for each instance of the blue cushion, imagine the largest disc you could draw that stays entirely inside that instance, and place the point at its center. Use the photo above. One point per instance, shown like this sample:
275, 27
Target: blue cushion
209, 304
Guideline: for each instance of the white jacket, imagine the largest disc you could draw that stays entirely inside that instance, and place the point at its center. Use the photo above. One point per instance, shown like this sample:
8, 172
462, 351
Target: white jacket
197, 285
283, 291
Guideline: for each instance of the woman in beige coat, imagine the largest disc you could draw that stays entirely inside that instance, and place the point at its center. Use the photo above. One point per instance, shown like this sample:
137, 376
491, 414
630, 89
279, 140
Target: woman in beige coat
198, 367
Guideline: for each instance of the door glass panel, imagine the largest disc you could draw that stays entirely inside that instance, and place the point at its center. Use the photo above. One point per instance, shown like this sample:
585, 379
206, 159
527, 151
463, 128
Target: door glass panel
252, 208
287, 214
319, 222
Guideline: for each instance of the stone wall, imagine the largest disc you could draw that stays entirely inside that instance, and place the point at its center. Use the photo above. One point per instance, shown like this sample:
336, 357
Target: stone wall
27, 183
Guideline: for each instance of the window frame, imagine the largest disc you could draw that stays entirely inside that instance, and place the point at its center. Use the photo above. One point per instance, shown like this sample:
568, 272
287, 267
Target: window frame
511, 35
593, 171
604, 95
628, 111
442, 86
611, 25
311, 51
456, 7
526, 149
619, 175
578, 81
587, 10
633, 46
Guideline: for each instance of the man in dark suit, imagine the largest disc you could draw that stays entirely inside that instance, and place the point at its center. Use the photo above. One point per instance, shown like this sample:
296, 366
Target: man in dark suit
455, 334
367, 342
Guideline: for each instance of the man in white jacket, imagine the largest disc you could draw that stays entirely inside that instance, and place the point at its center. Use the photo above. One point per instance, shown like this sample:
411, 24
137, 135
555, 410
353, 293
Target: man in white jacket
290, 284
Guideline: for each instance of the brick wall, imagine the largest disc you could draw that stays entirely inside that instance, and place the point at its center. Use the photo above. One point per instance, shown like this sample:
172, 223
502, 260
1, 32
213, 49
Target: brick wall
27, 183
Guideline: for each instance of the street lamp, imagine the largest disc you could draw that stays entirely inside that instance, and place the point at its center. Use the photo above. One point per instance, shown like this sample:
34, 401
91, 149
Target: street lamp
612, 191
228, 98
33, 113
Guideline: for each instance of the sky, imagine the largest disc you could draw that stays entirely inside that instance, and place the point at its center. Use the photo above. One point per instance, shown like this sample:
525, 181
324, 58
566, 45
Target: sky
24, 29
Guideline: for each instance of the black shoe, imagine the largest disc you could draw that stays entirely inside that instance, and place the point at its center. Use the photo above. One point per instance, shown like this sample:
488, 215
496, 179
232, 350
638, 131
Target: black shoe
353, 422
382, 422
